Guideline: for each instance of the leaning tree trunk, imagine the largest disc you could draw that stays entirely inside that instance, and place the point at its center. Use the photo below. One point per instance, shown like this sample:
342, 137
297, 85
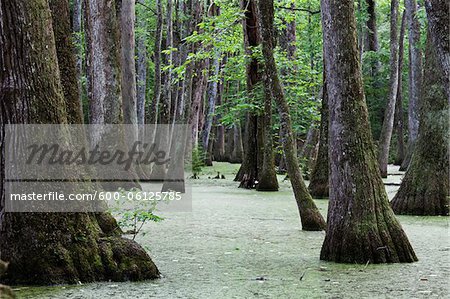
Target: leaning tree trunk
415, 78
361, 225
398, 118
425, 187
389, 111
40, 253
310, 216
318, 186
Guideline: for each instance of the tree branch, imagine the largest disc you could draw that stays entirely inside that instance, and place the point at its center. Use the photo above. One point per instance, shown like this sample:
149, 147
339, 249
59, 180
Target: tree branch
313, 12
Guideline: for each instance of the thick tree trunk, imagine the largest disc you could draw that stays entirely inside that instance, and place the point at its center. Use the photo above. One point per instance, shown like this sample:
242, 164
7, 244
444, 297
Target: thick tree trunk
389, 111
361, 225
425, 187
439, 22
40, 253
310, 216
66, 59
128, 66
415, 78
398, 118
318, 186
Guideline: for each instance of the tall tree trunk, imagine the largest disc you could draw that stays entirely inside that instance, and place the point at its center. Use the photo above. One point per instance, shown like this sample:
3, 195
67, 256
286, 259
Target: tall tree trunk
439, 20
389, 112
371, 36
128, 66
267, 177
308, 152
40, 253
310, 216
162, 137
398, 118
219, 144
361, 225
237, 153
425, 187
415, 78
66, 59
77, 28
141, 88
318, 186
153, 110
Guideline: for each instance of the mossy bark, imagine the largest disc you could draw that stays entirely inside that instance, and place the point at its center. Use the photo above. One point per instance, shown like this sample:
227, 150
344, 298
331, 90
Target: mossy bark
425, 187
361, 225
50, 248
310, 216
318, 186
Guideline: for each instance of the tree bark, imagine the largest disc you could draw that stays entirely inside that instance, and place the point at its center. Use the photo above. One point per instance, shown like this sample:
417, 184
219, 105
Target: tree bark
40, 253
361, 225
141, 88
425, 187
77, 27
128, 65
318, 186
398, 118
311, 218
439, 20
389, 112
371, 37
66, 59
219, 144
415, 78
309, 150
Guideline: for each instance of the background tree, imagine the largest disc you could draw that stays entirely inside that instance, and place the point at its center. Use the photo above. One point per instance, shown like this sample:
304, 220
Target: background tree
361, 225
425, 187
309, 214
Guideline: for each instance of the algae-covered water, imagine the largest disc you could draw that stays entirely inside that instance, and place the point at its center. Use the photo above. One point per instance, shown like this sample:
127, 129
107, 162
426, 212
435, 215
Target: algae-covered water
246, 244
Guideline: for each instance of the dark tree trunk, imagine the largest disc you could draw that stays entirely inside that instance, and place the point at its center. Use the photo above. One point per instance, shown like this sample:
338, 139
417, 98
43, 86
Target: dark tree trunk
371, 37
318, 186
40, 253
310, 216
425, 187
389, 111
267, 180
361, 225
238, 149
66, 59
398, 119
415, 78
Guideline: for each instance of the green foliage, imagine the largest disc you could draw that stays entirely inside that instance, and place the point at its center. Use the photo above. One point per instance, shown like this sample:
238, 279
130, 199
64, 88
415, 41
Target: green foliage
198, 161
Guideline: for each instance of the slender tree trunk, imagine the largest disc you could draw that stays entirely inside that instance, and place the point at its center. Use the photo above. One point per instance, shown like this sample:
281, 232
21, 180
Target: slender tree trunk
371, 37
398, 119
77, 28
128, 66
318, 186
415, 78
238, 149
141, 75
154, 107
219, 144
40, 253
361, 225
229, 144
389, 112
310, 216
309, 150
425, 187
267, 177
